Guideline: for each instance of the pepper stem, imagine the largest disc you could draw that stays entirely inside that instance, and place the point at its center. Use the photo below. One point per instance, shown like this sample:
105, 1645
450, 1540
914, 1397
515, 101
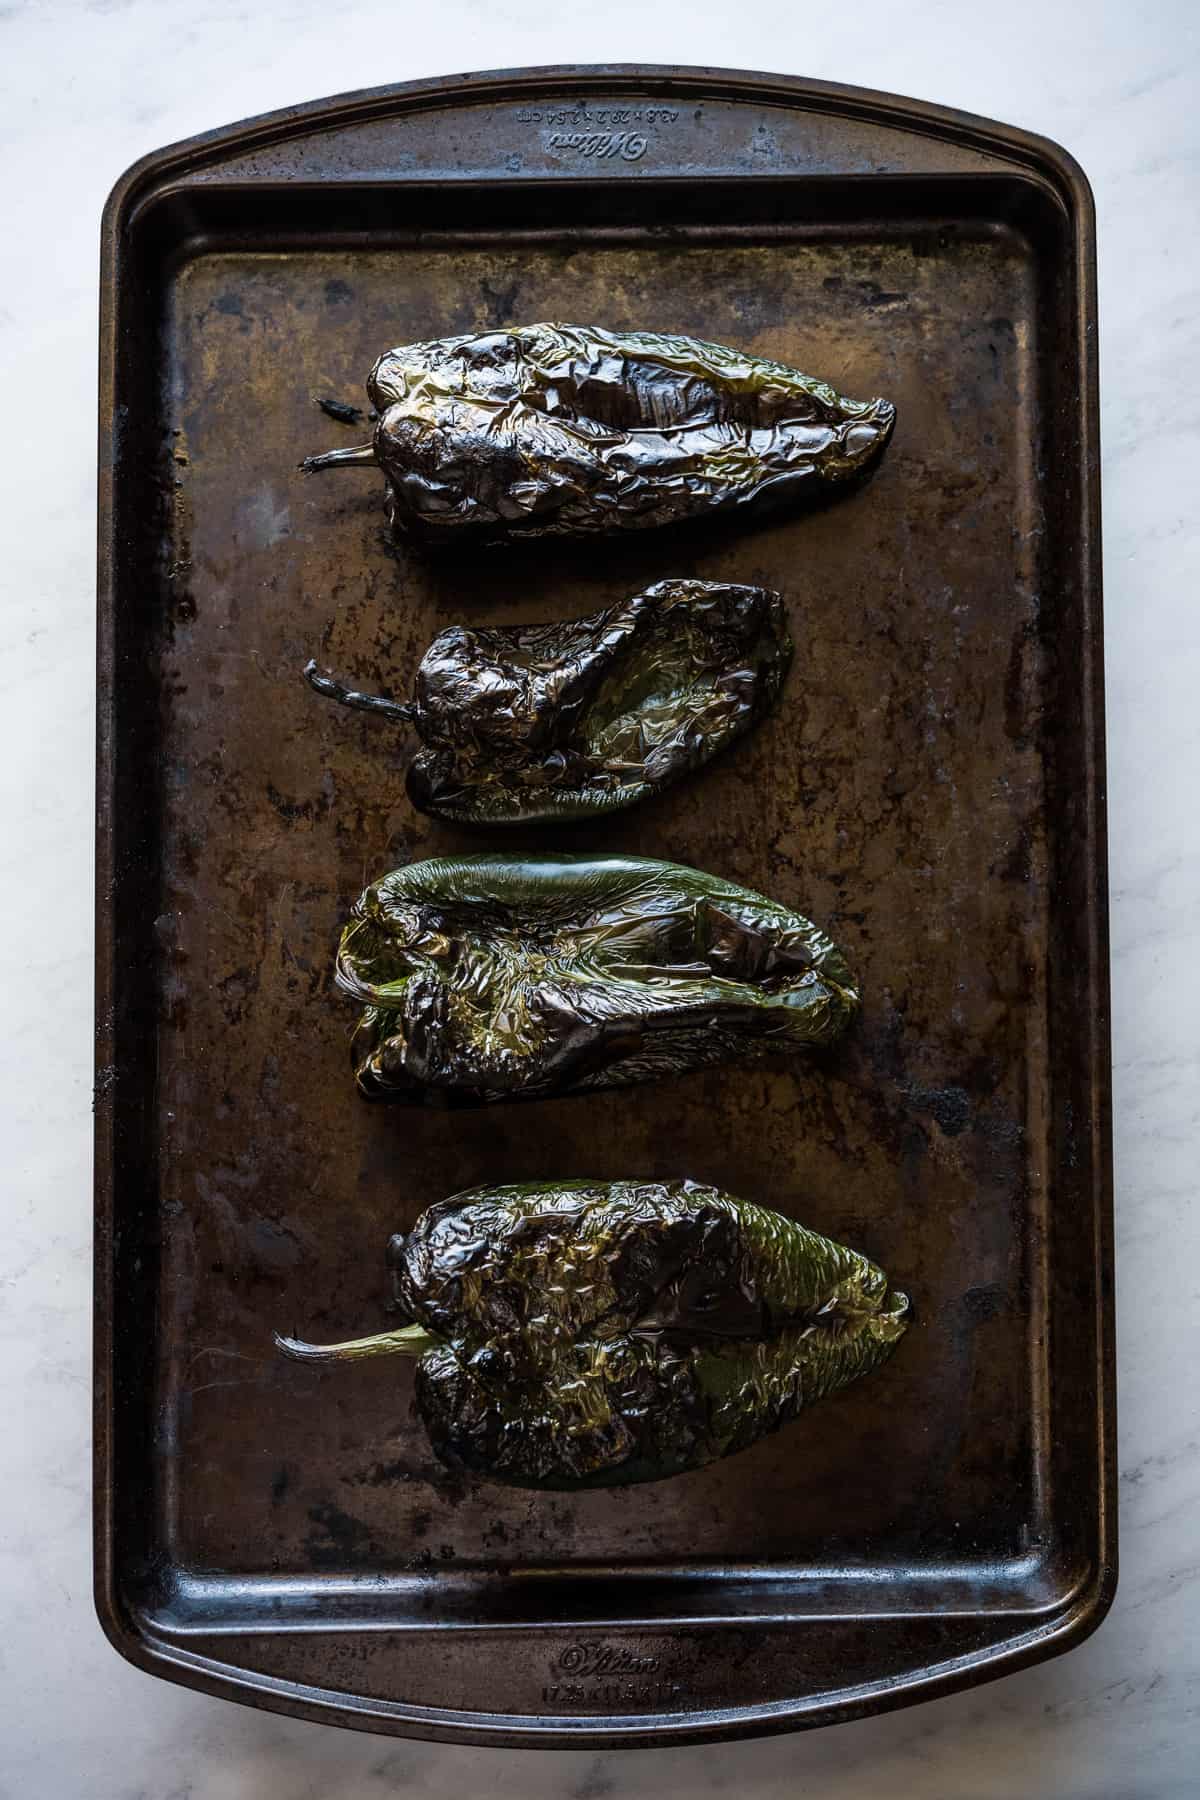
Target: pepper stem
354, 456
374, 703
409, 1340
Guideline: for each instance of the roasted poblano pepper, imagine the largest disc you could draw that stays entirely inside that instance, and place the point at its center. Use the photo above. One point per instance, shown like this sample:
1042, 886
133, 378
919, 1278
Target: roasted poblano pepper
537, 722
588, 1334
505, 977
570, 430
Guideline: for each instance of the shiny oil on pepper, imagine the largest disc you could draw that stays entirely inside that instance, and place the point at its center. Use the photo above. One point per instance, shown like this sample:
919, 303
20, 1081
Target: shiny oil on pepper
488, 978
531, 723
590, 1334
569, 430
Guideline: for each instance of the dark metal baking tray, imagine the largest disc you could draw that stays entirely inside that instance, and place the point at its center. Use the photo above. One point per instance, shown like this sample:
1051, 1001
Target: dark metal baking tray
931, 789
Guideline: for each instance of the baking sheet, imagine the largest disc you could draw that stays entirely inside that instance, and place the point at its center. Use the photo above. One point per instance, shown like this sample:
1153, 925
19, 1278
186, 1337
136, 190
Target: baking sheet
929, 789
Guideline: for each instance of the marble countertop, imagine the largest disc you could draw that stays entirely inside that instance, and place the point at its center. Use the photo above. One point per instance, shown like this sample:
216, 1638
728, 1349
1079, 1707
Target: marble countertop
86, 89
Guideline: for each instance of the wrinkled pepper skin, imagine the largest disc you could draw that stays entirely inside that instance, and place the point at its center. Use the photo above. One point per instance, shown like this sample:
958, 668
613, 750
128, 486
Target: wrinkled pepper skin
585, 1334
568, 430
489, 978
534, 723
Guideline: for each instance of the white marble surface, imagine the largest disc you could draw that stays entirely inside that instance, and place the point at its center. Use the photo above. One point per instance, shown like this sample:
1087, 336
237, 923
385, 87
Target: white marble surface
86, 89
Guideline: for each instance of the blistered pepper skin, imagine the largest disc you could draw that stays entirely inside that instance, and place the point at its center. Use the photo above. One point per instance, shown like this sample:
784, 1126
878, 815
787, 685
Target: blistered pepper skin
531, 724
568, 430
592, 1334
491, 978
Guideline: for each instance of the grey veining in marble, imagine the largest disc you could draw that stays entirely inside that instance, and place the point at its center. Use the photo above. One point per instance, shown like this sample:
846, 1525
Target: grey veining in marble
86, 89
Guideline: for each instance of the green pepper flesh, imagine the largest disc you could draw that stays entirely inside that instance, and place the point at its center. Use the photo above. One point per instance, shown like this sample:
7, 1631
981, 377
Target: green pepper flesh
570, 430
588, 1334
492, 978
534, 723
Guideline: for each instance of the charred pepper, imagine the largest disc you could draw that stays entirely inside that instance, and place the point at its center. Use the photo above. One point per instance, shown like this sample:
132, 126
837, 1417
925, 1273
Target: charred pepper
590, 1334
490, 978
570, 430
536, 722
